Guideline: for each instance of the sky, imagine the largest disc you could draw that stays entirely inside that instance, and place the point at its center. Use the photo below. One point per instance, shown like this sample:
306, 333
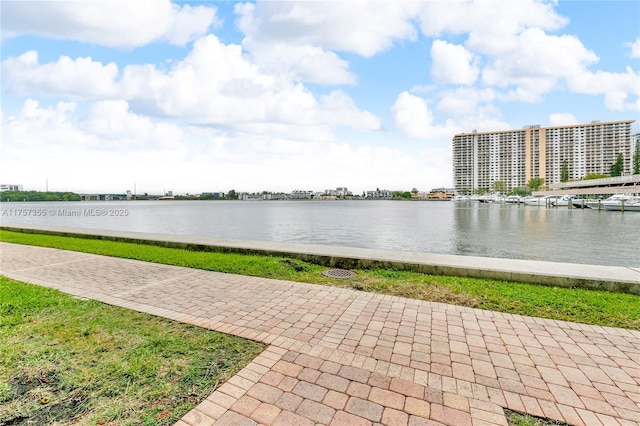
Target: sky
191, 97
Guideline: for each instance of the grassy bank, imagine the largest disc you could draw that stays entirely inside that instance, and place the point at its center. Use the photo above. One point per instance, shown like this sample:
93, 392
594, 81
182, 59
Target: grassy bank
587, 306
66, 360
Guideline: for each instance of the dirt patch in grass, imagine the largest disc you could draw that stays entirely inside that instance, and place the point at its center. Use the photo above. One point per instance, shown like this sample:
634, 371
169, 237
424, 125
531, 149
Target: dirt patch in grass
40, 399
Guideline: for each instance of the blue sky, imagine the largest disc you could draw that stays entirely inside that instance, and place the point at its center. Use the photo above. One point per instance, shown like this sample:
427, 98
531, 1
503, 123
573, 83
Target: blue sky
253, 96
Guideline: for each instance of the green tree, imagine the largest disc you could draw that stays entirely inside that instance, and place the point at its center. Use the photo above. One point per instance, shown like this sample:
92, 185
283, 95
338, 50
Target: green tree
231, 195
618, 167
535, 183
480, 191
636, 159
499, 186
521, 191
594, 176
564, 173
39, 196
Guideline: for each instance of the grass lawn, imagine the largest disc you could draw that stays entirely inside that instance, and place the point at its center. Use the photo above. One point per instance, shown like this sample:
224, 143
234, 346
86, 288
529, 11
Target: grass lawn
66, 360
586, 306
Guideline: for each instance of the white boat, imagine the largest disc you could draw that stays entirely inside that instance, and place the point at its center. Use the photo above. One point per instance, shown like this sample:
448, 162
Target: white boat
513, 199
458, 197
563, 201
491, 198
599, 204
540, 201
631, 204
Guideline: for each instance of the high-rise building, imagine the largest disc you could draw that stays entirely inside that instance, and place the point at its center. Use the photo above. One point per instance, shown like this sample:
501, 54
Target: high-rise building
515, 156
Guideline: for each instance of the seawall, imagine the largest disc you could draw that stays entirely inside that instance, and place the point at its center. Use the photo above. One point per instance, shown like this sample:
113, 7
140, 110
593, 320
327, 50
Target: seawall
611, 278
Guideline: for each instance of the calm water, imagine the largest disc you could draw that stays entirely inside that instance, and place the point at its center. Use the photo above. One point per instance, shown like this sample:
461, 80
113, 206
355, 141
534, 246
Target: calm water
507, 231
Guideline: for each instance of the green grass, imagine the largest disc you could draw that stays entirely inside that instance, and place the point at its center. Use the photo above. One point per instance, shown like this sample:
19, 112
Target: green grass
519, 419
586, 306
64, 359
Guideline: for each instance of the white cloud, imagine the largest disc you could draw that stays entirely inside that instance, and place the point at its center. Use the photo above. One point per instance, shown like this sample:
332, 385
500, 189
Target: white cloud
214, 84
562, 119
119, 128
79, 78
634, 48
464, 100
485, 118
338, 109
452, 64
298, 38
217, 84
79, 152
301, 62
537, 62
615, 86
413, 118
362, 27
489, 32
115, 23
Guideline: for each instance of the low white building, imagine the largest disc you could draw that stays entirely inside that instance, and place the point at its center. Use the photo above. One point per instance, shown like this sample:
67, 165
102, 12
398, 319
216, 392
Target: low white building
380, 194
10, 187
298, 194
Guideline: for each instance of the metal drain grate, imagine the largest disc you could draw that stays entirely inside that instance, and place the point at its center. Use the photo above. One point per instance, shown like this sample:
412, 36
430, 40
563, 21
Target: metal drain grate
338, 273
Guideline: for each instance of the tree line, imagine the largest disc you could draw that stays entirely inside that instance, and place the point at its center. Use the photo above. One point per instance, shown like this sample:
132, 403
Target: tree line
38, 196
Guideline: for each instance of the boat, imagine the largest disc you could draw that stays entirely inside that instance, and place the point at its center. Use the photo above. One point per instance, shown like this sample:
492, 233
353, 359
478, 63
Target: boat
513, 199
563, 201
458, 197
491, 198
540, 201
598, 204
580, 203
631, 204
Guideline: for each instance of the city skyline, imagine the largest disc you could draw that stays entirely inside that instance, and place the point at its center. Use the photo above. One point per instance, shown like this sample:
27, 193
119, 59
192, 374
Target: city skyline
514, 157
212, 96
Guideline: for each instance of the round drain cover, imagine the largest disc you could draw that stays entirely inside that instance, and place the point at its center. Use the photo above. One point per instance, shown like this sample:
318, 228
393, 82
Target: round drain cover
338, 273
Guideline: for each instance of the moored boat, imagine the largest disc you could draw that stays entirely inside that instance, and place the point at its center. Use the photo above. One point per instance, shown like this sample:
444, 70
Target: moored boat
580, 203
540, 201
630, 204
599, 204
491, 198
563, 201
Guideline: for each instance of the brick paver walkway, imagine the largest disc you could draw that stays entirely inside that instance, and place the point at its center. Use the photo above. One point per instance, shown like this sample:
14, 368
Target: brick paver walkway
340, 356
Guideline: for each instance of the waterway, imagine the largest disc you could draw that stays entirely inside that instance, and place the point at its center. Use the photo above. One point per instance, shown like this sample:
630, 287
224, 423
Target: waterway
477, 229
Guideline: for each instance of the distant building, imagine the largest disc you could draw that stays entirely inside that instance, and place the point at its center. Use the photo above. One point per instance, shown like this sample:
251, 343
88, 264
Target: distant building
245, 196
298, 194
441, 194
380, 194
516, 156
337, 193
9, 187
